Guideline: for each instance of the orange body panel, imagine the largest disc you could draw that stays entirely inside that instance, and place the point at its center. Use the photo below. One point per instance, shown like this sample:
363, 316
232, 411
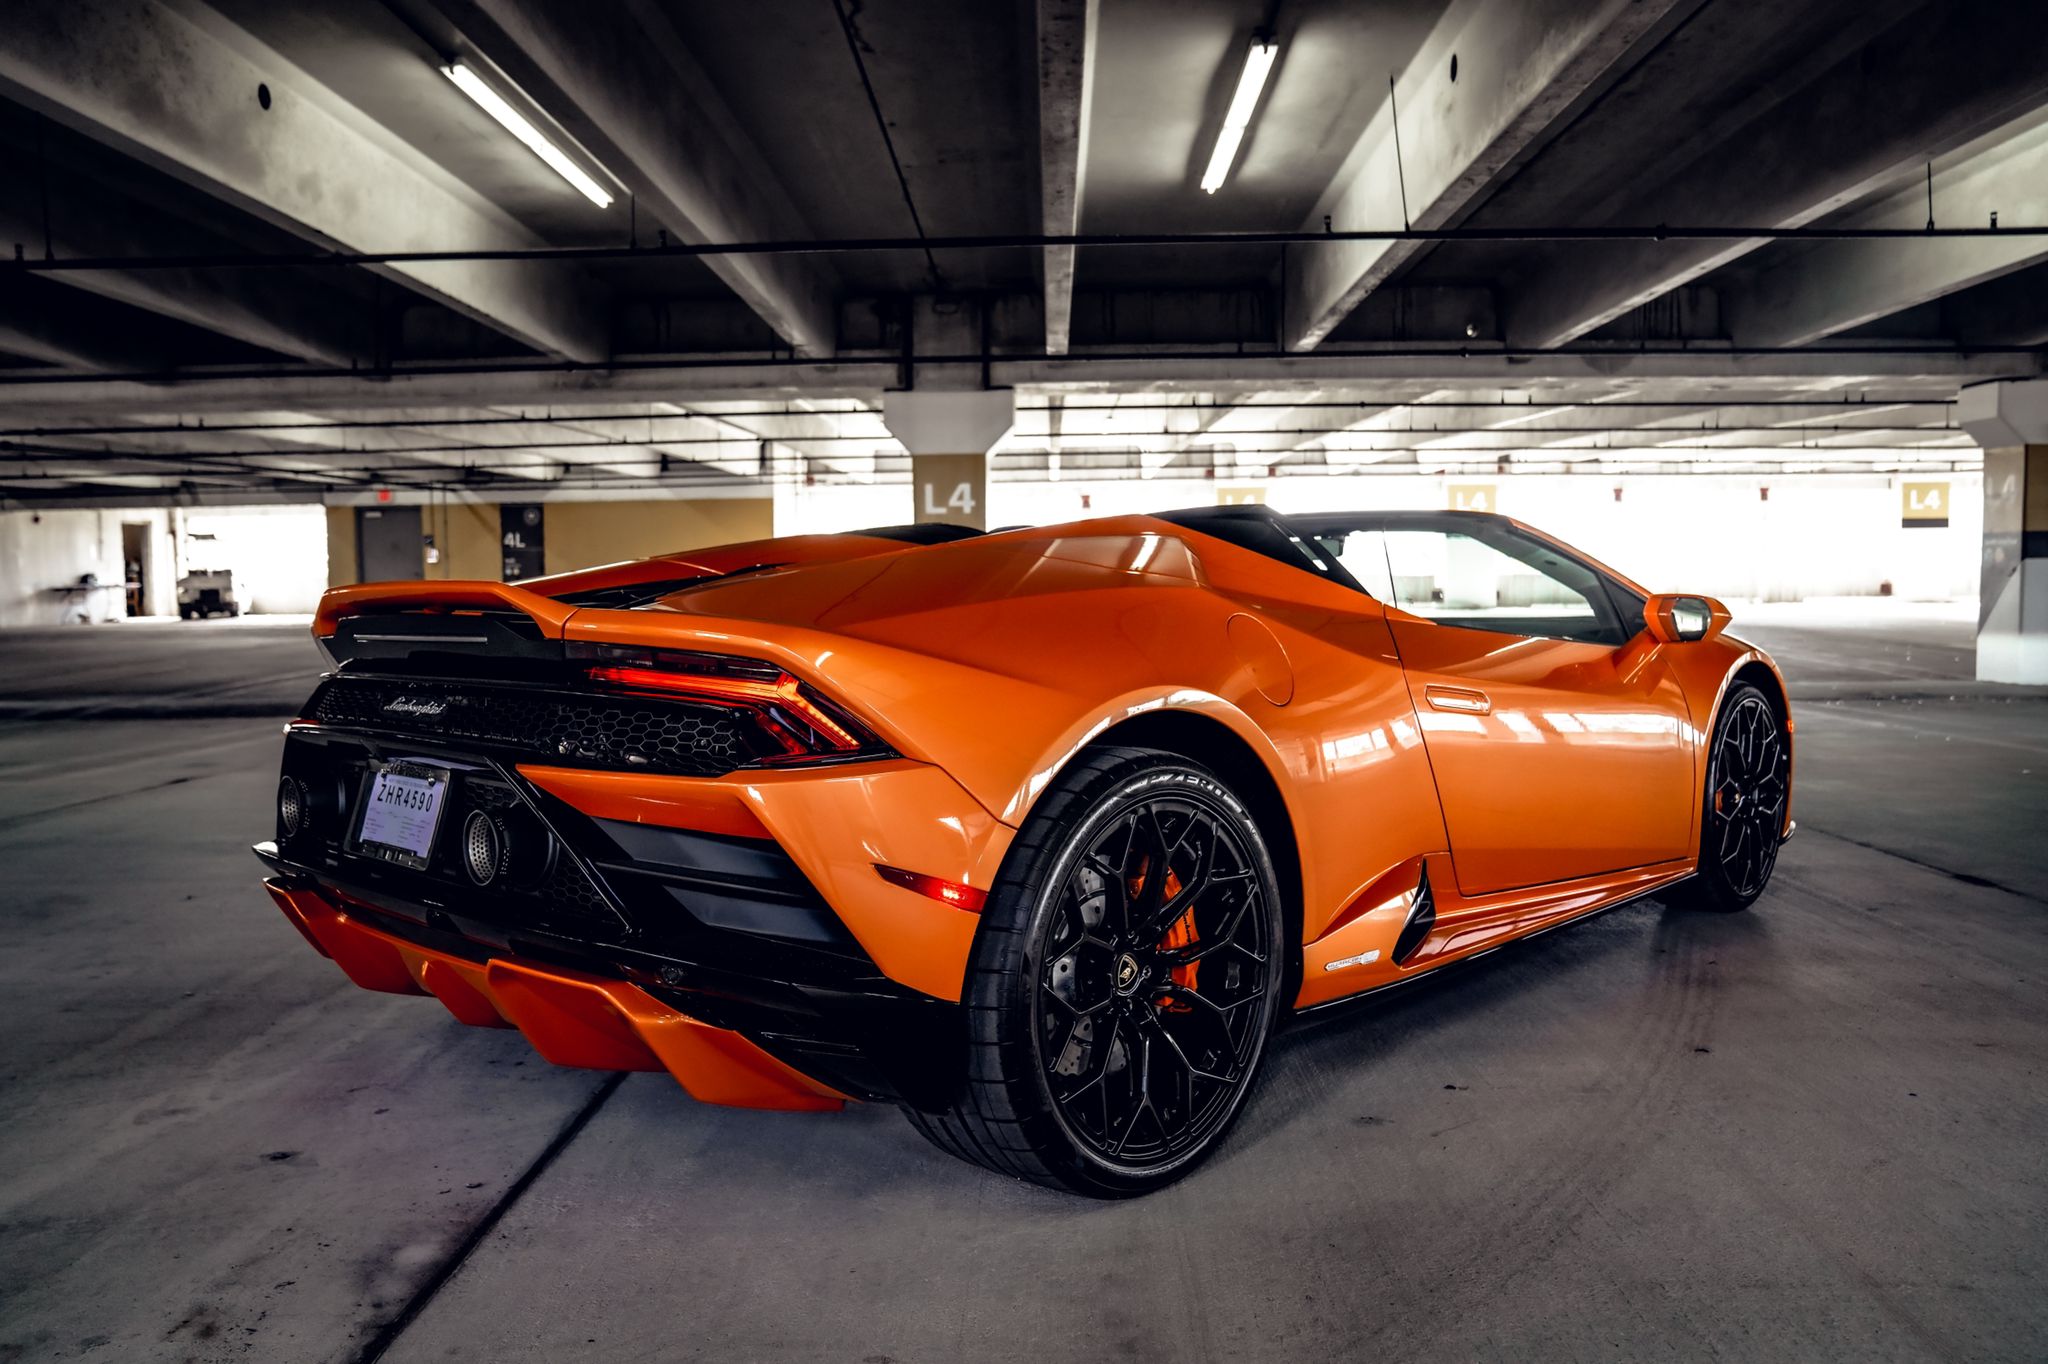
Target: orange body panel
964, 656
1358, 954
712, 560
453, 597
1553, 759
1535, 779
572, 1019
836, 824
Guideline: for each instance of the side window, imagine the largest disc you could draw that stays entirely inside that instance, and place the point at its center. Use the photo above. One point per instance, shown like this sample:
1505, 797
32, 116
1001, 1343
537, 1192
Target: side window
1503, 583
1364, 556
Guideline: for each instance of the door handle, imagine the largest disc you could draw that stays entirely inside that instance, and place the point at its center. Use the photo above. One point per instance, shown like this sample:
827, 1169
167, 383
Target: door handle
1460, 700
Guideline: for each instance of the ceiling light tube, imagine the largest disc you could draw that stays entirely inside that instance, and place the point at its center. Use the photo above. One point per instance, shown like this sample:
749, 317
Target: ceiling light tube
515, 123
1258, 64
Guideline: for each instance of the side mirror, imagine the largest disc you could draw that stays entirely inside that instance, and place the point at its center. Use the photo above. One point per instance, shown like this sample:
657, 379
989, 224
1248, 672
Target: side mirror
1675, 618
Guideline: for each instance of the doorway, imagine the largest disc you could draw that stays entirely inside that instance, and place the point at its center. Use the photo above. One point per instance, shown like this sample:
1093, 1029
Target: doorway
388, 544
135, 565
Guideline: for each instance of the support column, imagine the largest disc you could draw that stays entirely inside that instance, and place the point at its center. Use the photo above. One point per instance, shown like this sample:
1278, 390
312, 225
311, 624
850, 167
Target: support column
949, 435
2010, 420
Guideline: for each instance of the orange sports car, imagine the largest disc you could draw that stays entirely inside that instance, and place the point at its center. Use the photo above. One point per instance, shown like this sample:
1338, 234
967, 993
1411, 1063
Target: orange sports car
1038, 834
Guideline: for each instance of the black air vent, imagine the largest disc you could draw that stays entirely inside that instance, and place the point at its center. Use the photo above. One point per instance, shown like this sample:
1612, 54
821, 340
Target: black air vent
420, 634
1421, 918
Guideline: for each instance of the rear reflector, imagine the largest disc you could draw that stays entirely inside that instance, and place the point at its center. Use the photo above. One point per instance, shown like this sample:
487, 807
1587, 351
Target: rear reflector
938, 888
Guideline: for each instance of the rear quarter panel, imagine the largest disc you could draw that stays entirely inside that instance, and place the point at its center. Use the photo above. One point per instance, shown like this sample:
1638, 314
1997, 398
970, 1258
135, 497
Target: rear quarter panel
999, 659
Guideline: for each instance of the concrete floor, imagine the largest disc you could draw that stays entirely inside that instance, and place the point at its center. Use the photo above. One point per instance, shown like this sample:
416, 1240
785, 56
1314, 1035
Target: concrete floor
1812, 1131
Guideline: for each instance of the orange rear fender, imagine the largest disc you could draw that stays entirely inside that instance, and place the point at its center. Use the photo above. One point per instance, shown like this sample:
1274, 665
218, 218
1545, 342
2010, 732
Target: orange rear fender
837, 824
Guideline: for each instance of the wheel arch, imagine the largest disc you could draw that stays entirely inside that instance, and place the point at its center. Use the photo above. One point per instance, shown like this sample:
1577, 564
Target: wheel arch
1215, 745
1765, 679
1759, 671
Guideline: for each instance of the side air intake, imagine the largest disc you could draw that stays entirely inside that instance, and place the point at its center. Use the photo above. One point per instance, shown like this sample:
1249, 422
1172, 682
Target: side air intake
1421, 918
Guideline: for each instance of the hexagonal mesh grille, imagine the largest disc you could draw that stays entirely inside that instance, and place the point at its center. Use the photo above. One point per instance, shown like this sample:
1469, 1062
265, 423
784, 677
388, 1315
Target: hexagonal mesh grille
584, 731
573, 899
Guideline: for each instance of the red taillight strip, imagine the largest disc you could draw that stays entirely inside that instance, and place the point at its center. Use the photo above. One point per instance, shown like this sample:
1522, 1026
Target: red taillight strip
938, 888
786, 691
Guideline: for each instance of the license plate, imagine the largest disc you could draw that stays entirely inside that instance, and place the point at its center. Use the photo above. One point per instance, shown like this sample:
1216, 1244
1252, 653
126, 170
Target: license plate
401, 812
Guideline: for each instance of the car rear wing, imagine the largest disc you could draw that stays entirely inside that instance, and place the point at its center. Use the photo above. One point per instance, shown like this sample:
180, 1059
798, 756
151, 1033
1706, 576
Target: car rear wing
398, 620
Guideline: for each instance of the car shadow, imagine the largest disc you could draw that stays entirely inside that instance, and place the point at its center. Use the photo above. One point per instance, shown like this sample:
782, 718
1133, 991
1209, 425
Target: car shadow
1581, 955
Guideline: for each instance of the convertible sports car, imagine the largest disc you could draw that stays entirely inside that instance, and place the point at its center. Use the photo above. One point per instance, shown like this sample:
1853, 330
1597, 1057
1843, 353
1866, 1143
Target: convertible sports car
1037, 834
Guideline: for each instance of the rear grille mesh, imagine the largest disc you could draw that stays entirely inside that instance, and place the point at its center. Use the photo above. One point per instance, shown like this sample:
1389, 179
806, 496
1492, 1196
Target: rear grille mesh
574, 900
628, 733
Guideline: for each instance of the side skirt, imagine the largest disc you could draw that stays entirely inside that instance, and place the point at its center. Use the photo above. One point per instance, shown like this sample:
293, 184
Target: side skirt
1434, 970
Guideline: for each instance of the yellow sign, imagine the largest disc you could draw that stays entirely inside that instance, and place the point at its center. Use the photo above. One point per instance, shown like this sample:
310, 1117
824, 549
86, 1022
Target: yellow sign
951, 488
1475, 497
1247, 496
1923, 504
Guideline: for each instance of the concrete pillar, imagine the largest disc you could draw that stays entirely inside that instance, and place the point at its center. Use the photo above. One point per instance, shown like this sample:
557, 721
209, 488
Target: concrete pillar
949, 435
2010, 420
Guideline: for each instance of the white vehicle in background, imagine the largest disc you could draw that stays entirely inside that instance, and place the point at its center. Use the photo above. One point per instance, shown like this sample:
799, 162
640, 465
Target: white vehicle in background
209, 592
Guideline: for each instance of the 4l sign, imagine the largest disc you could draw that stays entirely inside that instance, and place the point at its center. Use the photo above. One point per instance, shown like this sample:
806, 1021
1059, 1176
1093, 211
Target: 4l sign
1923, 505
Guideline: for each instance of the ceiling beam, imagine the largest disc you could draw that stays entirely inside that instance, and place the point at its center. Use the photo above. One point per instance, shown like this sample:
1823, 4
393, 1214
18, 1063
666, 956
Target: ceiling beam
1185, 430
276, 310
2012, 310
1919, 89
1258, 427
623, 83
1066, 76
146, 79
1525, 68
1843, 284
1574, 376
59, 327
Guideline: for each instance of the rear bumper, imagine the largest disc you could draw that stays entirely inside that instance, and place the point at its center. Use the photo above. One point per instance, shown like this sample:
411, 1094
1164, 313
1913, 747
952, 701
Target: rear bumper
747, 907
572, 1018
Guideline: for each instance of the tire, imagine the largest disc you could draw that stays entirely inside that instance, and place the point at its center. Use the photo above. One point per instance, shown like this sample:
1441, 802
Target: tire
1079, 1003
1742, 813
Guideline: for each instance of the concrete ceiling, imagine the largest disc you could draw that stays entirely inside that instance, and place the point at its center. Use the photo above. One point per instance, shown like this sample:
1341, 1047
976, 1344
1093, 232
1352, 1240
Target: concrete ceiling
135, 131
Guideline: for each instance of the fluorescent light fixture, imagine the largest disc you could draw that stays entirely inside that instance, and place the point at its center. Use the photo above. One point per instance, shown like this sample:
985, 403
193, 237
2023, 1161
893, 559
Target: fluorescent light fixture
515, 123
1258, 64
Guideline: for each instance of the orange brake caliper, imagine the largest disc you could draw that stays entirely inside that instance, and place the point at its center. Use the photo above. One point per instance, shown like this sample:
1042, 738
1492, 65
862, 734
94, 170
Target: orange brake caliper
1180, 934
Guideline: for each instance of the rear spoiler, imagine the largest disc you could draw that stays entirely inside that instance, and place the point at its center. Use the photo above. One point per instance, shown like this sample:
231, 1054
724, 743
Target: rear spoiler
396, 620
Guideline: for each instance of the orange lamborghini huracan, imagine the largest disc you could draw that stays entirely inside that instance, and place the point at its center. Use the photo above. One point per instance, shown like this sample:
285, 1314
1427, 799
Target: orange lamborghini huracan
1037, 834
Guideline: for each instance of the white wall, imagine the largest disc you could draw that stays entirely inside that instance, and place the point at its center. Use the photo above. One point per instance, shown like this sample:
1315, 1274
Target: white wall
278, 554
44, 551
822, 510
1815, 535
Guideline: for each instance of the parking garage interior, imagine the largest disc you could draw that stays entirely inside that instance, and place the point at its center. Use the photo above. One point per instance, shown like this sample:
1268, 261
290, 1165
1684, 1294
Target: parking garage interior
1744, 299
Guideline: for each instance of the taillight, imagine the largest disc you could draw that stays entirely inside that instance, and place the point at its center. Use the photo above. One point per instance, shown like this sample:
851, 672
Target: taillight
804, 725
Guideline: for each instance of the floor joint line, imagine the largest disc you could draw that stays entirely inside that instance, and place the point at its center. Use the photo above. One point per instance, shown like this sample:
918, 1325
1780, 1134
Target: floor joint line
382, 1342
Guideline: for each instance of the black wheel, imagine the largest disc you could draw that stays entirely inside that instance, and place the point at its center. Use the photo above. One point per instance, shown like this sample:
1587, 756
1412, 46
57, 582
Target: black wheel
1749, 779
1126, 976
